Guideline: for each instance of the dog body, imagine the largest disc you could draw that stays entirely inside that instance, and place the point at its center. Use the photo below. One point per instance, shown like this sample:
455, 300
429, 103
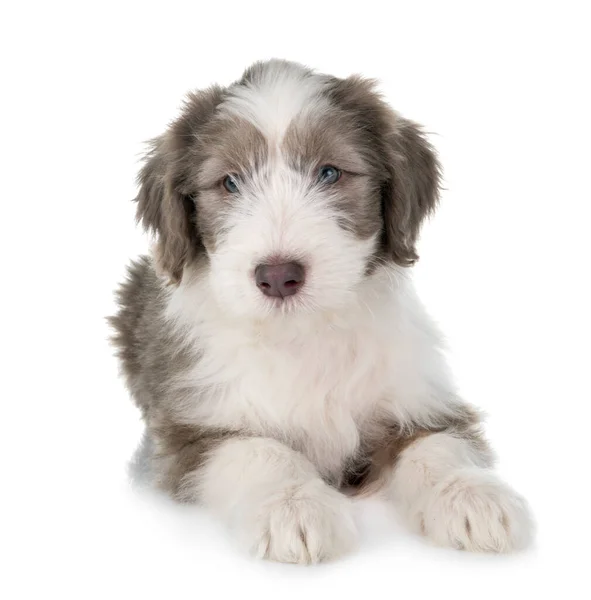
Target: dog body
274, 341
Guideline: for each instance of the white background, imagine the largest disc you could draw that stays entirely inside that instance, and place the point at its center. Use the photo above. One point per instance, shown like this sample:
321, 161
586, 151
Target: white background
504, 269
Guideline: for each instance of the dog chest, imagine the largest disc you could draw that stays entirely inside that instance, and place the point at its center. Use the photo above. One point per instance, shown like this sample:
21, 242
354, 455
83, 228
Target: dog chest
311, 391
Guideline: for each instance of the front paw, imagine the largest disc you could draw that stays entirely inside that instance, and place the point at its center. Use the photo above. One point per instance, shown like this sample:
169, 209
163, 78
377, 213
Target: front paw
473, 510
306, 524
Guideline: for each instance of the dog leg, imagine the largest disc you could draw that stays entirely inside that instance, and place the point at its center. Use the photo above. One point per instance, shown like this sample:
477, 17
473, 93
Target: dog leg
275, 500
444, 487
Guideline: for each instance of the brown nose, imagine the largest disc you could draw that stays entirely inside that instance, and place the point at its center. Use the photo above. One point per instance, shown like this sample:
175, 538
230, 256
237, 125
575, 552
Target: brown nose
279, 280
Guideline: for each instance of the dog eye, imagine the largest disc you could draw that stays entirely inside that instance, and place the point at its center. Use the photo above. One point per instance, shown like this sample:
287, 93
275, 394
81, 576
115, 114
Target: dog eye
230, 182
328, 174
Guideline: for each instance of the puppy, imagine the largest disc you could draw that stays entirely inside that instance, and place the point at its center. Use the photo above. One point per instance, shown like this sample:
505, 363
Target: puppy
273, 341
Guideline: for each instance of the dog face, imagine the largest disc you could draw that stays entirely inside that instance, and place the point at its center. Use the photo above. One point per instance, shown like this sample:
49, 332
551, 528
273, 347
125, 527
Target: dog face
291, 186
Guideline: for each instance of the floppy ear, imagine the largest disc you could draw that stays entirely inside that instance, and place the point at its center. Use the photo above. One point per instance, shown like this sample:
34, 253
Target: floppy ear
165, 202
164, 210
411, 191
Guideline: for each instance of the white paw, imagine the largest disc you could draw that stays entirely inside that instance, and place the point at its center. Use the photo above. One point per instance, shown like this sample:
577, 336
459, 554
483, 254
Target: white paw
307, 524
473, 510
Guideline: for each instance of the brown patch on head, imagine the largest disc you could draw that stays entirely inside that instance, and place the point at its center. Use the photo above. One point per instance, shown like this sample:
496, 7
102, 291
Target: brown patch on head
404, 164
229, 146
327, 135
181, 198
165, 203
391, 173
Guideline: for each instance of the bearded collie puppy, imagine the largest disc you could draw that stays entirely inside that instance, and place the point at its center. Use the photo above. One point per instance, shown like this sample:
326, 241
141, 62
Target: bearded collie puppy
273, 340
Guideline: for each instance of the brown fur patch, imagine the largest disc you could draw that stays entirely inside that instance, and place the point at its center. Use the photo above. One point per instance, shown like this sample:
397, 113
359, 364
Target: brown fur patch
412, 190
407, 168
331, 138
380, 452
152, 353
164, 203
229, 145
182, 449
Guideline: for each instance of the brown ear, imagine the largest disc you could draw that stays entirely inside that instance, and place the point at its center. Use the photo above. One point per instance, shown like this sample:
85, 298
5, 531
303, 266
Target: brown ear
165, 211
165, 202
412, 190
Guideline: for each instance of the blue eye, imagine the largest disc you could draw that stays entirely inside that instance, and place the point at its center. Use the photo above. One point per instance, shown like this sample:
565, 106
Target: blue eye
230, 182
328, 174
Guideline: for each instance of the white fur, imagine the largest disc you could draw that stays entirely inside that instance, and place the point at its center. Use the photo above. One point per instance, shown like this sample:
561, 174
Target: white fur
276, 98
276, 501
446, 491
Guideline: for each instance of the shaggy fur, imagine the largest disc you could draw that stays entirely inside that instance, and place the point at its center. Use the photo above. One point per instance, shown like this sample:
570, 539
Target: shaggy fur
266, 408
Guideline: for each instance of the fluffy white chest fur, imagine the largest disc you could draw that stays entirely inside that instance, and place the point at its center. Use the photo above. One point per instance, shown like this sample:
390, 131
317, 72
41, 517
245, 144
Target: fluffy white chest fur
315, 381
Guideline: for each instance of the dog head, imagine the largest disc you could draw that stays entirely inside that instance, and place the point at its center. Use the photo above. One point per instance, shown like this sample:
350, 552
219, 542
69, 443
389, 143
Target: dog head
290, 186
